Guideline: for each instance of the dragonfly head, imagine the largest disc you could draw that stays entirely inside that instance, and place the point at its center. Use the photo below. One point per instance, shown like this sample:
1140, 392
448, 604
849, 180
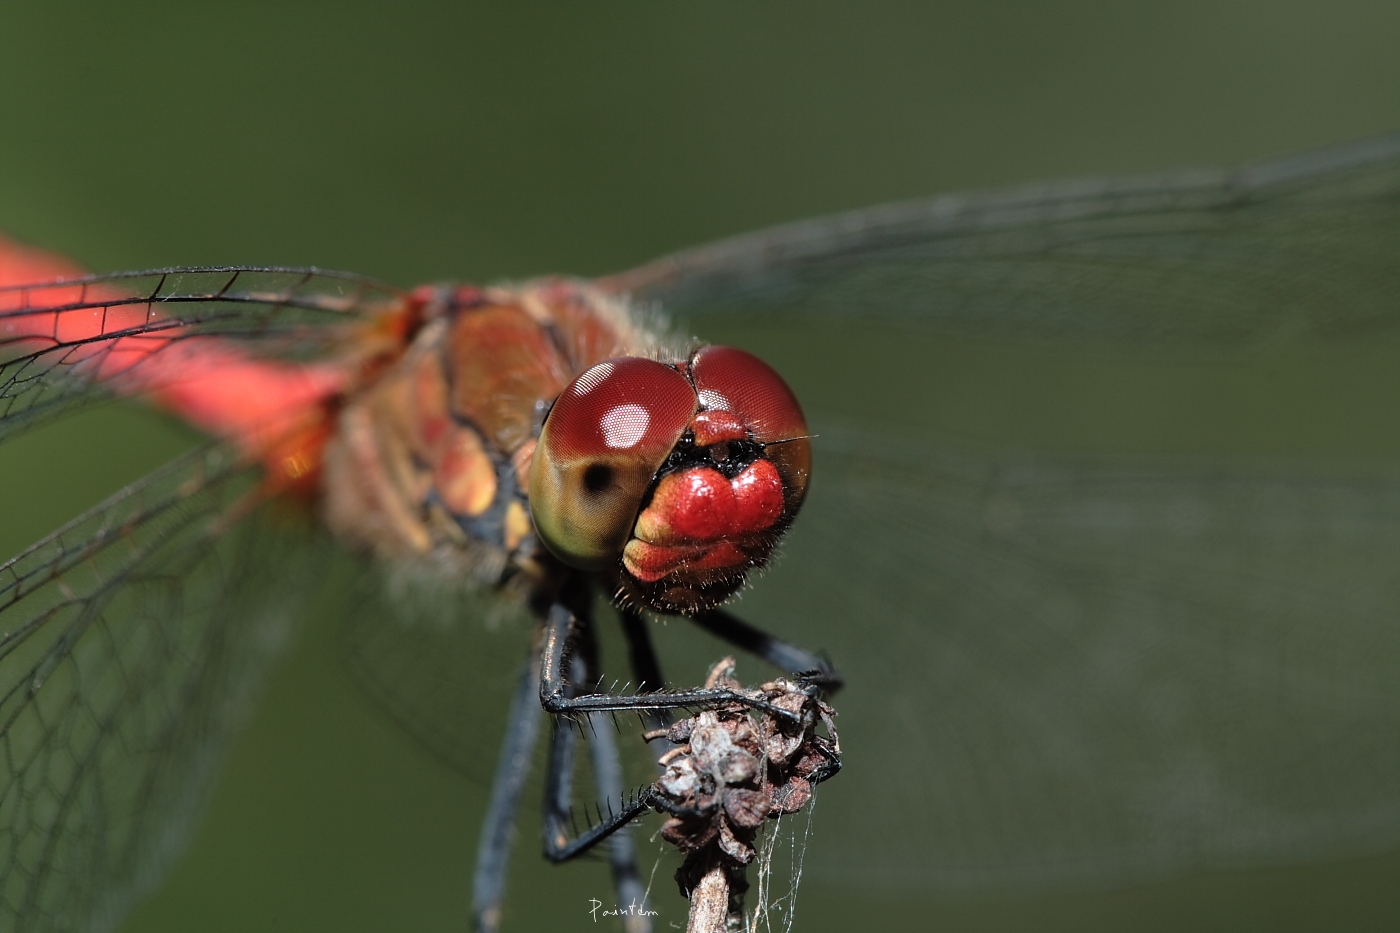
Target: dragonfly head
679, 477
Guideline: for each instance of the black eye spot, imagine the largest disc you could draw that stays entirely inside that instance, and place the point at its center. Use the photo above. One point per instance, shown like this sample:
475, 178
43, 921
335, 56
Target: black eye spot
597, 477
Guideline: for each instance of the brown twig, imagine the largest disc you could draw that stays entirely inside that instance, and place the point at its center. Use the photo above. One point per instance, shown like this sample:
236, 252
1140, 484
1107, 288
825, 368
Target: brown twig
709, 902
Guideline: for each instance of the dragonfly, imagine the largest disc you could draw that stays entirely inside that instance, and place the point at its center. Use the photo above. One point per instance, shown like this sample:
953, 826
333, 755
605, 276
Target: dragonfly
1062, 668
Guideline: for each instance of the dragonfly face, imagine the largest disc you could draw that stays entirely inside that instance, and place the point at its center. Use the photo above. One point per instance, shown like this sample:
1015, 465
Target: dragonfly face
684, 475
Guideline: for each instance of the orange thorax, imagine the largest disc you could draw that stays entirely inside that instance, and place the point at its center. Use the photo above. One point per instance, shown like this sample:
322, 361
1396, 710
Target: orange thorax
434, 453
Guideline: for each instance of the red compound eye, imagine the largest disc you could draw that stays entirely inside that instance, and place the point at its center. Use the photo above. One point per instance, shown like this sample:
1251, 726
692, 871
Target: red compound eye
731, 380
607, 435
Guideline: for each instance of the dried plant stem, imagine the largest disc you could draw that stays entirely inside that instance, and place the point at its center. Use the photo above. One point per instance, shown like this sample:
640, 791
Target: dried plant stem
709, 901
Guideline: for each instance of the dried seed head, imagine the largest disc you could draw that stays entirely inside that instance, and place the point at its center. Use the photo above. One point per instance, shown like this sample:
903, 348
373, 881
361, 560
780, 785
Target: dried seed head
736, 768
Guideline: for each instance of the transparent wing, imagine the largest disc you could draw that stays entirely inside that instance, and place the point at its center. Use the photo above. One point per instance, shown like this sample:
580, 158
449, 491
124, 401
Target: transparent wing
1078, 669
1306, 245
72, 341
133, 638
1071, 670
441, 658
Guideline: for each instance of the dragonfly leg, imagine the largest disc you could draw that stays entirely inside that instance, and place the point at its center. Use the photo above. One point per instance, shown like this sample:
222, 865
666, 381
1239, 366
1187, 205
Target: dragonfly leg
559, 845
498, 830
559, 775
622, 855
646, 667
812, 668
561, 623
566, 647
607, 774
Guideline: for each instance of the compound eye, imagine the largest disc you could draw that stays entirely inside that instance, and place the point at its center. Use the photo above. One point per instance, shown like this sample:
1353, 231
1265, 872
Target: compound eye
607, 435
728, 379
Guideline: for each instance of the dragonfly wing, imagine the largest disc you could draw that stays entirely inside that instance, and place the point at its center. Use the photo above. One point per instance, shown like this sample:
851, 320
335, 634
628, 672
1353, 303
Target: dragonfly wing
1082, 669
440, 656
133, 638
68, 342
1088, 669
1305, 245
442, 659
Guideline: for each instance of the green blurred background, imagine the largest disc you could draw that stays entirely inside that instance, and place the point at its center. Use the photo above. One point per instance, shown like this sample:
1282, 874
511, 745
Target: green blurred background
416, 141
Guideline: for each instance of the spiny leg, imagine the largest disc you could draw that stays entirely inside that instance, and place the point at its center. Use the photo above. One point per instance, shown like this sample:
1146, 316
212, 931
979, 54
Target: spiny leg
559, 626
559, 846
498, 830
622, 855
559, 774
582, 664
646, 667
785, 656
817, 673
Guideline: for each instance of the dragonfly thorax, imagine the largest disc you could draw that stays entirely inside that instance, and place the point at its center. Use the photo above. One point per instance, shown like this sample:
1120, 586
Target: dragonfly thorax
516, 417
432, 456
